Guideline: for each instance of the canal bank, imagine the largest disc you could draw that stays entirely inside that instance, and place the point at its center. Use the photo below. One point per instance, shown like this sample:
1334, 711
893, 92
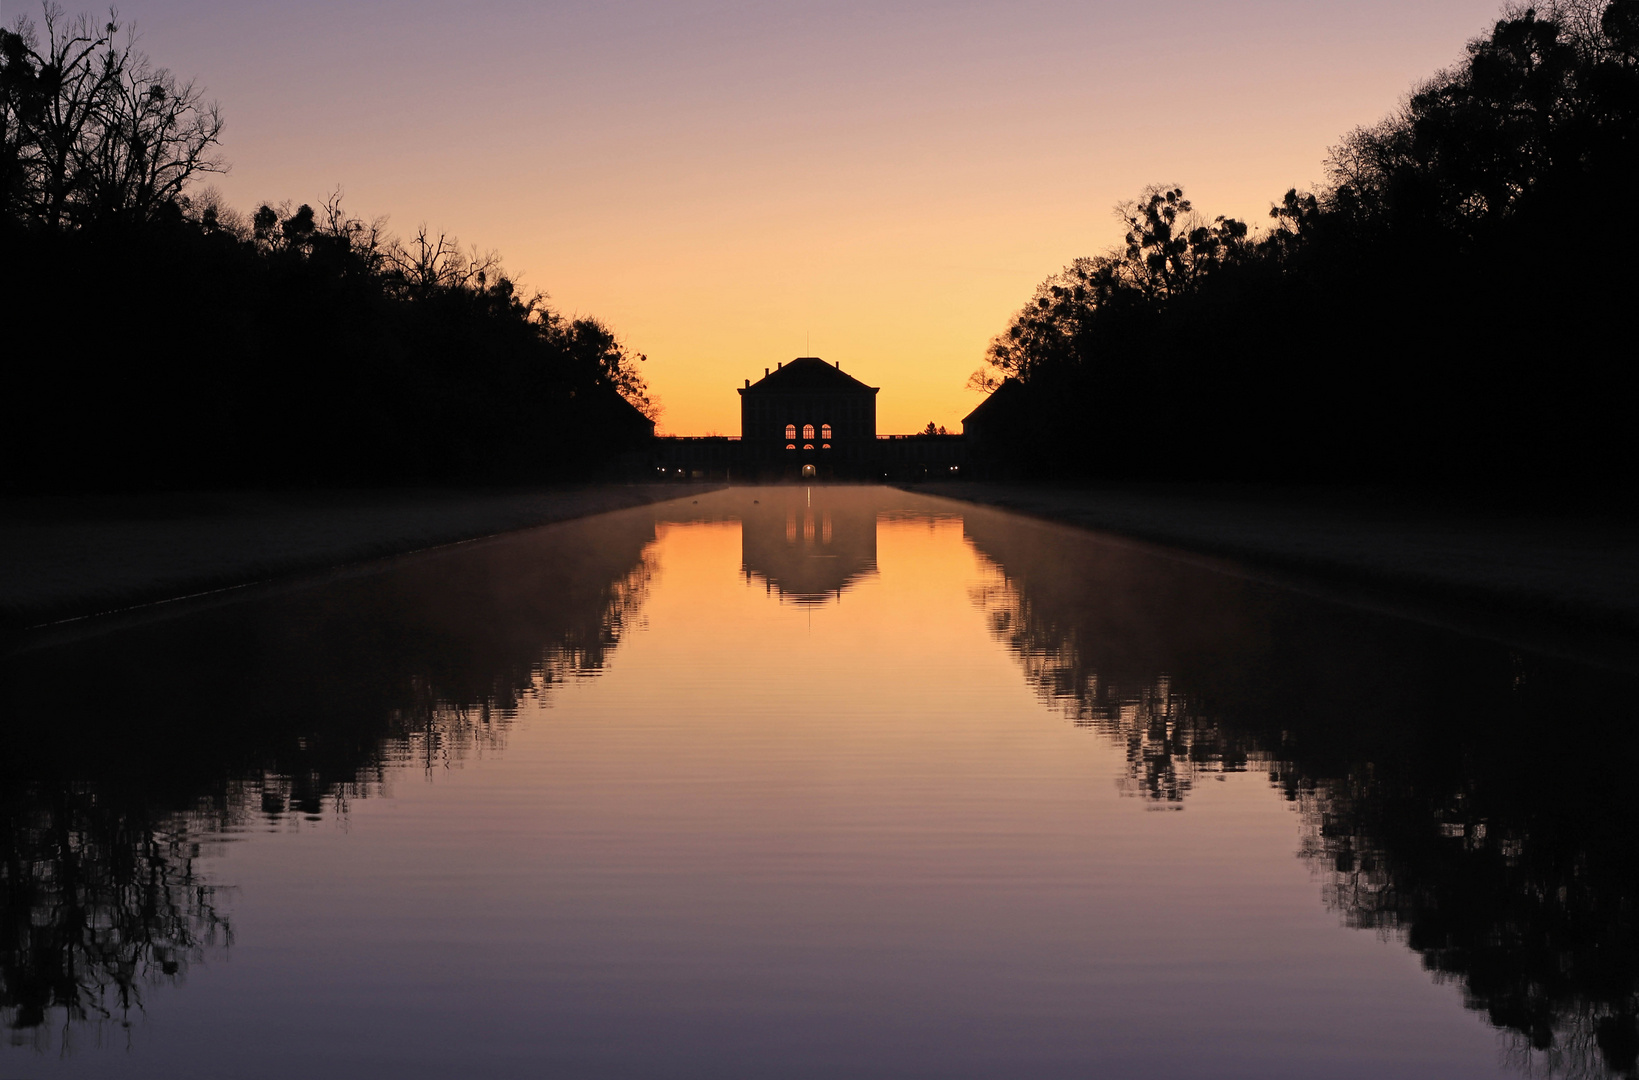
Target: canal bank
1561, 582
71, 557
1565, 580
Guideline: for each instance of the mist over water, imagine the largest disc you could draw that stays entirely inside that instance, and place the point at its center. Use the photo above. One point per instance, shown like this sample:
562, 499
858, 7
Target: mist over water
811, 782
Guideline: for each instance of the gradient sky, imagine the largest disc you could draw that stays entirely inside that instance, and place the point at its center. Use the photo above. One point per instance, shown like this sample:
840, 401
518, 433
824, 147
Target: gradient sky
733, 184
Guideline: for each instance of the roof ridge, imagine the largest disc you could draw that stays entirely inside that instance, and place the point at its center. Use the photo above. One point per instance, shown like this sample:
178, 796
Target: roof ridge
810, 373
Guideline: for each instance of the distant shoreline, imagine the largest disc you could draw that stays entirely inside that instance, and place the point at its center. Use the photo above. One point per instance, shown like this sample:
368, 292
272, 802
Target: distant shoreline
82, 557
1563, 583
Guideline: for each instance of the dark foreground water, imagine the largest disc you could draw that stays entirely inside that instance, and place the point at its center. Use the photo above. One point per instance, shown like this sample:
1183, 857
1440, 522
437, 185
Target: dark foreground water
840, 783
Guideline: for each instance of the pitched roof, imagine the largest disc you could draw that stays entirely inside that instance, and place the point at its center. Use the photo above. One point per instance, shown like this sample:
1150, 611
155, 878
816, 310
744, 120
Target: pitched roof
807, 374
998, 400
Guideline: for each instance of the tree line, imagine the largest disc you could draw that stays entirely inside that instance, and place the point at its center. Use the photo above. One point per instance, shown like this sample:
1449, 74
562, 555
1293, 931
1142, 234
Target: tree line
1453, 305
157, 337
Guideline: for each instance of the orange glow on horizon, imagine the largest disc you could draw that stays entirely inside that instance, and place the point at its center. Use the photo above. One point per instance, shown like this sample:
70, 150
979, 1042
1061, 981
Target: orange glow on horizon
728, 187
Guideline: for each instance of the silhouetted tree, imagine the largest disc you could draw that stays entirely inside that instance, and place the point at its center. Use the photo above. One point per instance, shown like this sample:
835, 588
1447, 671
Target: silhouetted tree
1169, 248
1444, 309
93, 131
295, 345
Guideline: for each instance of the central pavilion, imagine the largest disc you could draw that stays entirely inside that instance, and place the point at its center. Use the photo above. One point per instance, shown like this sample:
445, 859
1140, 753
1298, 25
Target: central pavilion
808, 418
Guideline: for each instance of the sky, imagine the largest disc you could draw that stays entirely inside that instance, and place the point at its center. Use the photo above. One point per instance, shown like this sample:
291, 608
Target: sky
729, 185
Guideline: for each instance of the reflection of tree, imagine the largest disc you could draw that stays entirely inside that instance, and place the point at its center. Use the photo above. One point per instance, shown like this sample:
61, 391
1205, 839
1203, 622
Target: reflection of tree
96, 906
1167, 741
125, 753
1473, 803
1513, 878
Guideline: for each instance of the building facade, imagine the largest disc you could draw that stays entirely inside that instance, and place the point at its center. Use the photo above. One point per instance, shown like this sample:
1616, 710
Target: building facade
808, 418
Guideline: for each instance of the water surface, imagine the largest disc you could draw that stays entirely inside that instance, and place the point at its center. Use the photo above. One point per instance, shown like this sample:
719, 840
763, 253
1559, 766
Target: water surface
812, 782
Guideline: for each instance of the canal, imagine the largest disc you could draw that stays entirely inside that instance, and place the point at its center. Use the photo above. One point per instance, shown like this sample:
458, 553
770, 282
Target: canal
812, 782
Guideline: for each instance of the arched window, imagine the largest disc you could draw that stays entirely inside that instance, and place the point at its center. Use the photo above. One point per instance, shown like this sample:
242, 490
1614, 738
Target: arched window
790, 446
825, 431
808, 431
791, 431
825, 446
807, 446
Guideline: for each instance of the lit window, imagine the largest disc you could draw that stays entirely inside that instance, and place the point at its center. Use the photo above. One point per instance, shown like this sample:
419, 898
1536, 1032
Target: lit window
808, 431
825, 431
790, 432
790, 446
807, 446
827, 446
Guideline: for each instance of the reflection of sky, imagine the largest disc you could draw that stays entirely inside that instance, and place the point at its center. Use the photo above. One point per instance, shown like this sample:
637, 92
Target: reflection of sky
771, 840
720, 180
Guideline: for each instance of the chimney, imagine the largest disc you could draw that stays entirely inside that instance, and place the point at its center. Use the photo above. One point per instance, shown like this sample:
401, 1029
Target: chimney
748, 384
839, 365
779, 363
765, 373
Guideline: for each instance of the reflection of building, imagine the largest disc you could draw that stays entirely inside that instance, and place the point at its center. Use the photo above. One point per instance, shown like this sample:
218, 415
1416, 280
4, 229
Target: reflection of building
809, 546
808, 413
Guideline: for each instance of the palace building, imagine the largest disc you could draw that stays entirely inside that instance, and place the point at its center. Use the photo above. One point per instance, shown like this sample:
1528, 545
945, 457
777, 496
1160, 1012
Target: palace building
808, 418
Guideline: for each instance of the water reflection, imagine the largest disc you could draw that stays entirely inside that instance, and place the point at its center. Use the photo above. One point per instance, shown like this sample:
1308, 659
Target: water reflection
808, 545
1475, 803
127, 755
97, 903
